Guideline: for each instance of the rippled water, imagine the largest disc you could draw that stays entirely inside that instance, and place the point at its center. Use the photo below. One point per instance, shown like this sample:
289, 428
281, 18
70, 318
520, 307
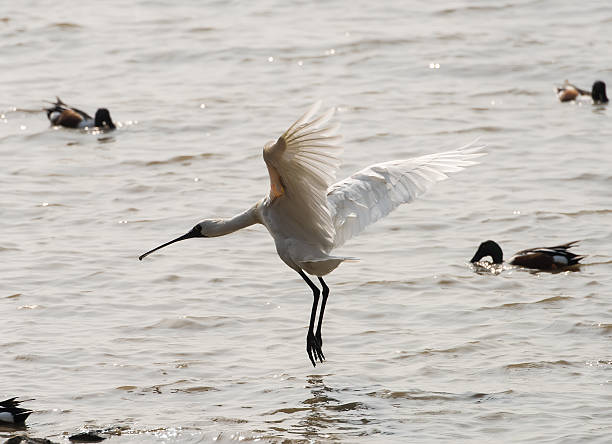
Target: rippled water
205, 340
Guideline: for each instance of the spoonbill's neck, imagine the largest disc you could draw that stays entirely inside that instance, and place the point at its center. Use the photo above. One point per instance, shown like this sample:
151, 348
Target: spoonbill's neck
221, 227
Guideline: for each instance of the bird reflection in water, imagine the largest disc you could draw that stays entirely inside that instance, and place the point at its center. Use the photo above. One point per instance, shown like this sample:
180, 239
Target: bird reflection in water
326, 415
106, 139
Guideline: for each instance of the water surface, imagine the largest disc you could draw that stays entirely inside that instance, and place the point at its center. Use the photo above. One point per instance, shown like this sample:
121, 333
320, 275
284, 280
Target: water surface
205, 340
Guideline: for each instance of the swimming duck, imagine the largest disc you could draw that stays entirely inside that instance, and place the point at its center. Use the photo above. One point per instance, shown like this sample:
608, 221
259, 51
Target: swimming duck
570, 92
11, 413
70, 117
546, 258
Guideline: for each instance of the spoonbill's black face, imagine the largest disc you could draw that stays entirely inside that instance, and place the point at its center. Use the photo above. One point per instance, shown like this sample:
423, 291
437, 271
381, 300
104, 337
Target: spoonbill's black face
194, 232
103, 119
598, 93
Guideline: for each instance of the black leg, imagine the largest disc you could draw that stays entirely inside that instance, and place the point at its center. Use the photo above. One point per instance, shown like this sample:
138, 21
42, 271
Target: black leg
323, 302
313, 348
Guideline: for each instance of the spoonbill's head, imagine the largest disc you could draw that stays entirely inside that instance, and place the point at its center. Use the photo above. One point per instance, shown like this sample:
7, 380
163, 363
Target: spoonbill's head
198, 231
598, 93
489, 248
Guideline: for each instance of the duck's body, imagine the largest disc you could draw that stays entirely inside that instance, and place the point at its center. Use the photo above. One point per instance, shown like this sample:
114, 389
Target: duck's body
61, 114
308, 216
11, 413
543, 258
569, 92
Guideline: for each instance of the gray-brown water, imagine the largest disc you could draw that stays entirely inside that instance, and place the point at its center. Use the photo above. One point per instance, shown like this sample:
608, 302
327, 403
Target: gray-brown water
205, 340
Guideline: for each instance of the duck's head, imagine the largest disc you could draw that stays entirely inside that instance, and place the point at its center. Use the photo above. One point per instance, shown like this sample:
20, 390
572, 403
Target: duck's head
489, 248
598, 93
103, 119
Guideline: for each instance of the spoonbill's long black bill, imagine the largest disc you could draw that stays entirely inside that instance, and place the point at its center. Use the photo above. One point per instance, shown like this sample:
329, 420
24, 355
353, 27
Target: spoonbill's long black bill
195, 232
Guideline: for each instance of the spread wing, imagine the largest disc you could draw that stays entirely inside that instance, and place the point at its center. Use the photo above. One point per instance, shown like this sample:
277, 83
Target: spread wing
372, 193
302, 165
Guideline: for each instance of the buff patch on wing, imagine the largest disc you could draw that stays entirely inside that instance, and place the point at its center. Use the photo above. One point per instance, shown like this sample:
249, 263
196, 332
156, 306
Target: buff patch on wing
276, 184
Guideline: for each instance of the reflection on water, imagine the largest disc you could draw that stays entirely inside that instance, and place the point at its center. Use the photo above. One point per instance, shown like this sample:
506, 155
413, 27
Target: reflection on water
328, 416
8, 428
489, 268
323, 415
106, 139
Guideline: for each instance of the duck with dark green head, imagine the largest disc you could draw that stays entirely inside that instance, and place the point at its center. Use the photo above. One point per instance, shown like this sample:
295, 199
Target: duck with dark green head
542, 258
61, 114
569, 92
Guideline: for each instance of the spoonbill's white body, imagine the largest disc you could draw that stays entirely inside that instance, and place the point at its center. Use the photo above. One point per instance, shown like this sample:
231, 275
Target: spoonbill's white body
308, 215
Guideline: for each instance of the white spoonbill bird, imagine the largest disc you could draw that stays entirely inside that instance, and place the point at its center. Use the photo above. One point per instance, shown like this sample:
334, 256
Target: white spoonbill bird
309, 215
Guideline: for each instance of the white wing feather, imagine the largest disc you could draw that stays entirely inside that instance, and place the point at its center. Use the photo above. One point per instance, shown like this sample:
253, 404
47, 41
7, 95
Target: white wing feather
306, 158
372, 193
